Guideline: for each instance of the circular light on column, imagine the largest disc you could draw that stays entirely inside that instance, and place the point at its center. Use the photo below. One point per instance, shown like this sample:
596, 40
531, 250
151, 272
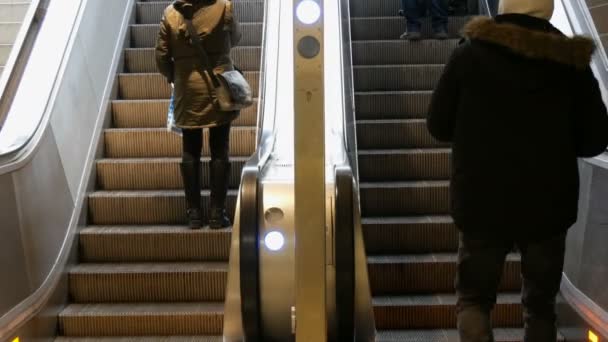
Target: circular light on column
274, 241
308, 12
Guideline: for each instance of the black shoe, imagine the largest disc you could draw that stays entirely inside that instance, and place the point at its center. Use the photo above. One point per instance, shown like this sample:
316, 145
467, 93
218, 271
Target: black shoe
411, 36
218, 218
191, 174
441, 35
220, 176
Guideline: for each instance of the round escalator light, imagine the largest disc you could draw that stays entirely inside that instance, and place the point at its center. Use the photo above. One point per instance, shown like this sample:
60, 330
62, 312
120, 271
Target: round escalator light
308, 12
274, 241
309, 47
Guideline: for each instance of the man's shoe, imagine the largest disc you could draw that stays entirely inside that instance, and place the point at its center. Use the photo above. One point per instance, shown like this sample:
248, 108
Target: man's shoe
218, 218
195, 218
411, 36
441, 35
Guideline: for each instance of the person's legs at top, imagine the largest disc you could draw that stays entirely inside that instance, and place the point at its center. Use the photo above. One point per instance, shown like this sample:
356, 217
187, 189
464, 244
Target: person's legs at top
439, 13
412, 11
192, 140
542, 266
219, 144
480, 267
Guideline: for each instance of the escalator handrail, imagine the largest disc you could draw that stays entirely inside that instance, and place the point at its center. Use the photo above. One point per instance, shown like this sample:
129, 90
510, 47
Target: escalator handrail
20, 53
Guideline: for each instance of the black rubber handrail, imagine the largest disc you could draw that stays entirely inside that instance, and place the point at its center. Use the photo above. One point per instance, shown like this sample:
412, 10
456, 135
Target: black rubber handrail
7, 94
250, 252
345, 254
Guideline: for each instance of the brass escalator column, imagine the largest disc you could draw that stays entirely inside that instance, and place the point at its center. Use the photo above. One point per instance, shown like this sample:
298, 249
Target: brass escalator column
309, 137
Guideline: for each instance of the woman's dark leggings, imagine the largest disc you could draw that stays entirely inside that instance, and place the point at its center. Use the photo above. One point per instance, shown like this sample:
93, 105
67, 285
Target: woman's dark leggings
219, 142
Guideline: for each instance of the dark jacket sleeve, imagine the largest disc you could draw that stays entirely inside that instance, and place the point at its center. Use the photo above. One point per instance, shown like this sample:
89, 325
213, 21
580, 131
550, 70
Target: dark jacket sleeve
444, 103
164, 59
233, 25
590, 119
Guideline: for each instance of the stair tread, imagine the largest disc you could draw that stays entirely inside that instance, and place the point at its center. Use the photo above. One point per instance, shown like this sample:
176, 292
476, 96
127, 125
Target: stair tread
392, 66
437, 299
158, 160
390, 121
164, 129
113, 230
443, 335
142, 338
407, 219
148, 267
404, 184
139, 309
394, 92
404, 151
146, 193
425, 258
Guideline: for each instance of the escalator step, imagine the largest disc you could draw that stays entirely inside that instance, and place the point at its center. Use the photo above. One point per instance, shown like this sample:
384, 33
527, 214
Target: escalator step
391, 27
451, 335
141, 60
246, 11
148, 282
153, 86
159, 143
427, 273
143, 338
398, 198
404, 165
142, 319
153, 243
390, 77
145, 35
154, 174
153, 114
378, 8
412, 234
392, 104
144, 207
438, 312
365, 52
395, 134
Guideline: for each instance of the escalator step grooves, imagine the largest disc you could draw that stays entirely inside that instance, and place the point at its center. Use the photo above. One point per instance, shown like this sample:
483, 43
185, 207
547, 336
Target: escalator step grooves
419, 164
160, 244
168, 282
153, 86
411, 198
390, 134
159, 143
402, 52
145, 35
145, 208
387, 28
154, 174
141, 60
153, 114
246, 11
397, 104
415, 77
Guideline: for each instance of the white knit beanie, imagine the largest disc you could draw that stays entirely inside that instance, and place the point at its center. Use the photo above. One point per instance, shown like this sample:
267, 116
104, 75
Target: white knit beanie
537, 8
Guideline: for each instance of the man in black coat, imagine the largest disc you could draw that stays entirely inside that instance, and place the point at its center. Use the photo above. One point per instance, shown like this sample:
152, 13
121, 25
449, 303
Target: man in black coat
519, 103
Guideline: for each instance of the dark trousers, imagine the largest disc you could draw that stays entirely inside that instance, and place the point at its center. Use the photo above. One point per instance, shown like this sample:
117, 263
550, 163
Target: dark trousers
219, 142
480, 267
415, 9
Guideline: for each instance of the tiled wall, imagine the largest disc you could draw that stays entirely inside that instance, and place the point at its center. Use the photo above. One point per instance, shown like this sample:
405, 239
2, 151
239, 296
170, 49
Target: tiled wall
599, 12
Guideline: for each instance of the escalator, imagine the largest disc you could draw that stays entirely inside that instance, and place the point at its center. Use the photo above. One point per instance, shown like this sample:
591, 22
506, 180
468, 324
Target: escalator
410, 238
141, 272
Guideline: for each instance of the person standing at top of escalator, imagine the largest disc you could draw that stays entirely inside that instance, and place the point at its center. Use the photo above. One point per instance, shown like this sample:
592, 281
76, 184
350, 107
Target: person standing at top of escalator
519, 102
179, 61
415, 9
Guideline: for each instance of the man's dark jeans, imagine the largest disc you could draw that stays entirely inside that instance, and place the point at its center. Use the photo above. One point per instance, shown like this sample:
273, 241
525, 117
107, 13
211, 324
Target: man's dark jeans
415, 9
480, 267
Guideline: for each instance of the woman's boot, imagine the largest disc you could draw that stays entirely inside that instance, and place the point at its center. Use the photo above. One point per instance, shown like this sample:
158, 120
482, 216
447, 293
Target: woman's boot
191, 174
220, 175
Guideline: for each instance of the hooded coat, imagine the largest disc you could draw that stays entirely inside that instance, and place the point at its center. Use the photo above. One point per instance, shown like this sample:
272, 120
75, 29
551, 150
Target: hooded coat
178, 60
519, 103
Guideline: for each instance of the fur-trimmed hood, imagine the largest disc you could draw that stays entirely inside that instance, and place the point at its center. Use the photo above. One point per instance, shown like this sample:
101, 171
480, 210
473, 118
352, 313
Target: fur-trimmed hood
548, 44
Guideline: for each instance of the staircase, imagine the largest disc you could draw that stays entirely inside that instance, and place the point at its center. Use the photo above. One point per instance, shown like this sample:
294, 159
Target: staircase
142, 274
12, 13
410, 238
